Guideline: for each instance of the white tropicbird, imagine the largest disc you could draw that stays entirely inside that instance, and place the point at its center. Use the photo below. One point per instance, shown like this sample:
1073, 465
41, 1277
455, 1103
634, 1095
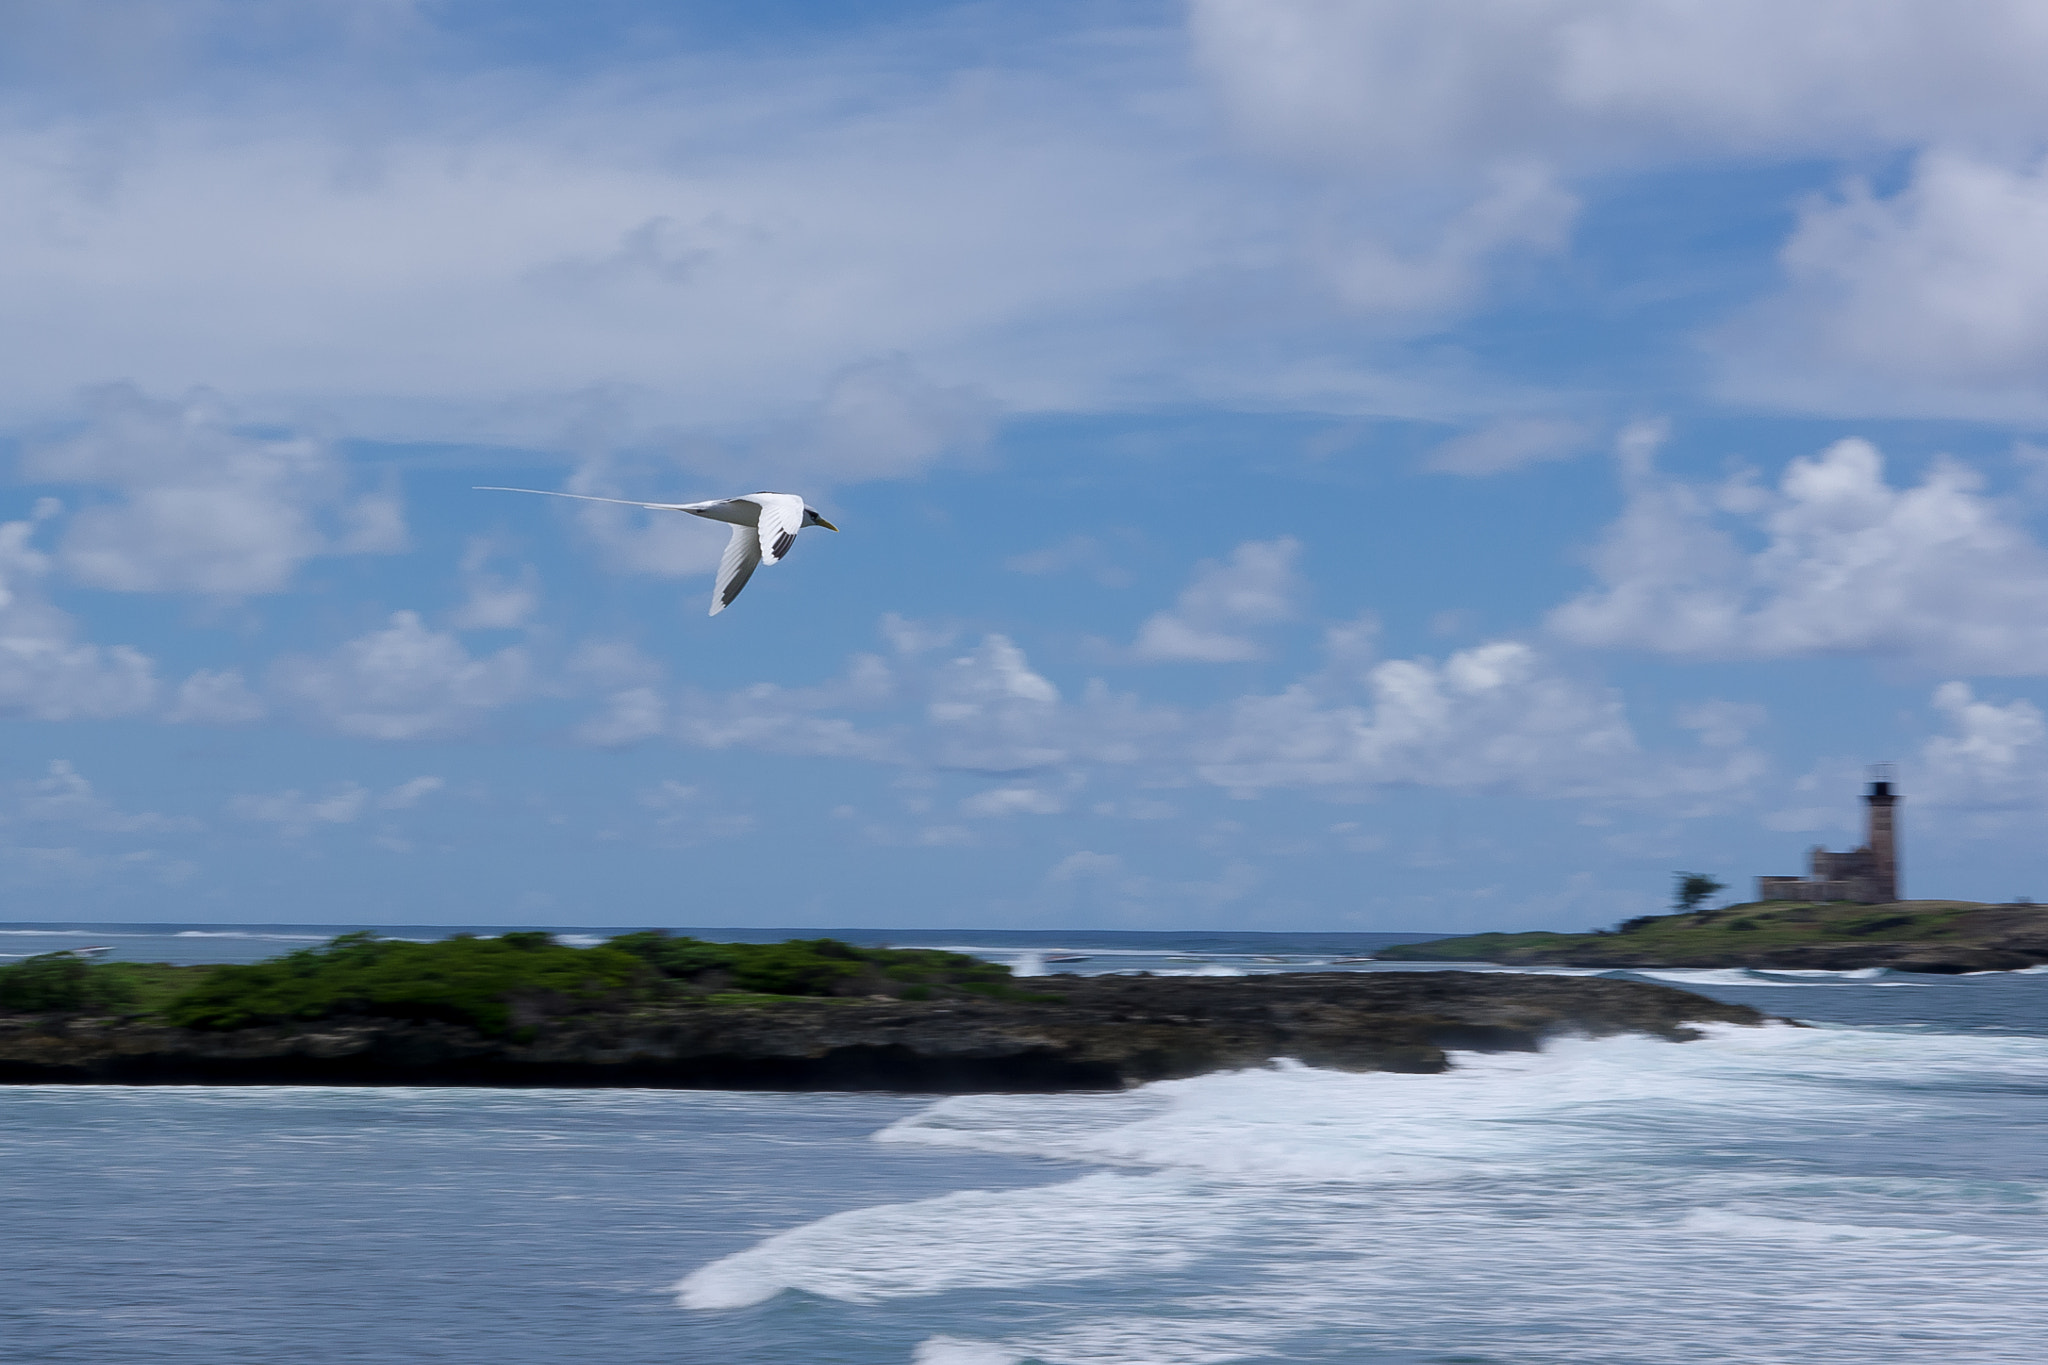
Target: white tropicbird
764, 527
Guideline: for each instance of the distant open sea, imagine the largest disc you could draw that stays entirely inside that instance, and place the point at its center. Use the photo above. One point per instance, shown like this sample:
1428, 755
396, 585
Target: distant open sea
1869, 1190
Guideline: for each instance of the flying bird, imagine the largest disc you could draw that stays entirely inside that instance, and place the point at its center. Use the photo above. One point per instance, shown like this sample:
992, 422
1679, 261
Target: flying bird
764, 527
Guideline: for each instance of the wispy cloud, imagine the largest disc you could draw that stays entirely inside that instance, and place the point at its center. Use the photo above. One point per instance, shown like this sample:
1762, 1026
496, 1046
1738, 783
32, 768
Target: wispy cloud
404, 681
1221, 614
203, 507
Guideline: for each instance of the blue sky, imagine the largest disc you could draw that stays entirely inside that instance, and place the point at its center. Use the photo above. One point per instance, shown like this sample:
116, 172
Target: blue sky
1375, 465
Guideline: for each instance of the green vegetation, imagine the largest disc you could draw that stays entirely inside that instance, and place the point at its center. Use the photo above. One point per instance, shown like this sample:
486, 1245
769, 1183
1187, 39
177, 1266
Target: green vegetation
65, 983
1708, 937
482, 982
155, 984
1694, 890
493, 984
817, 966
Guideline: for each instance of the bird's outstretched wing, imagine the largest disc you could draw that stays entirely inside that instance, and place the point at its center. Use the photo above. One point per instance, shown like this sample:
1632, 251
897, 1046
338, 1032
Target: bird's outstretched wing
782, 516
585, 497
733, 511
764, 527
735, 567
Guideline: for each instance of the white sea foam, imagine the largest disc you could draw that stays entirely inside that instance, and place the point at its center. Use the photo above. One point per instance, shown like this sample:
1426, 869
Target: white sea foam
960, 1351
1513, 969
1839, 973
238, 933
1715, 976
1758, 1227
1010, 950
72, 933
1530, 971
1613, 1199
1769, 976
1102, 1225
1495, 1113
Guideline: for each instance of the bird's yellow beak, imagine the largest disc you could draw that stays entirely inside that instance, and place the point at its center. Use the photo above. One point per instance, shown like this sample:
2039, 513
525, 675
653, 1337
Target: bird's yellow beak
826, 524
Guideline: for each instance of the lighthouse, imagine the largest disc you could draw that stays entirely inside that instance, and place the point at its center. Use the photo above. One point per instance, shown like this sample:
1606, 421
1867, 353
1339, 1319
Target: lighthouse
1882, 835
1868, 875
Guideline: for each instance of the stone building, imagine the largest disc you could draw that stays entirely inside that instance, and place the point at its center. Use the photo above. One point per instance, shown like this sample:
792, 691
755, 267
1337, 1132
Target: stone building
1868, 875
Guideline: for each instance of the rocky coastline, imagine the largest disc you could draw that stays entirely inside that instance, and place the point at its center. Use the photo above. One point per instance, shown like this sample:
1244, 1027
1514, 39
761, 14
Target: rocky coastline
1935, 937
1074, 1033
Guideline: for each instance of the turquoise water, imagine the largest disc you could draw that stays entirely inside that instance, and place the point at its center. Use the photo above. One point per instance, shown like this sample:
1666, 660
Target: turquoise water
1874, 1189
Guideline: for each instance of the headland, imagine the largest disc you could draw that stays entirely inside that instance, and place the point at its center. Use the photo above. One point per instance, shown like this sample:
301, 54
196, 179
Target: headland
362, 1012
1945, 937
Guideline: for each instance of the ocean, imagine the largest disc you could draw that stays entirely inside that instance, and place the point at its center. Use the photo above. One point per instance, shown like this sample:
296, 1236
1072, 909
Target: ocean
1870, 1188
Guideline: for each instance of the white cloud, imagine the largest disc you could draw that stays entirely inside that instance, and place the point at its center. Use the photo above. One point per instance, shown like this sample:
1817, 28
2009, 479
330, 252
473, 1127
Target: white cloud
1511, 443
1076, 553
611, 663
1033, 212
784, 720
989, 710
216, 697
998, 802
1496, 715
926, 704
876, 420
1519, 207
66, 797
371, 524
1449, 138
910, 234
712, 239
1215, 616
686, 816
1499, 716
204, 508
295, 814
45, 673
629, 716
1607, 83
406, 795
1721, 724
671, 799
636, 541
1937, 573
1933, 300
1995, 756
402, 682
1085, 865
494, 601
985, 710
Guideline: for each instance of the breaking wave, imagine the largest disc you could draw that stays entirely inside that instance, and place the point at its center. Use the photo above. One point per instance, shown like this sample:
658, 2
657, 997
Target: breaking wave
1758, 1196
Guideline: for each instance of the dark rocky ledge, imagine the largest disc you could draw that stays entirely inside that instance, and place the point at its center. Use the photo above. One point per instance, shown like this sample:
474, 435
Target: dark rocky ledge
1101, 1033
